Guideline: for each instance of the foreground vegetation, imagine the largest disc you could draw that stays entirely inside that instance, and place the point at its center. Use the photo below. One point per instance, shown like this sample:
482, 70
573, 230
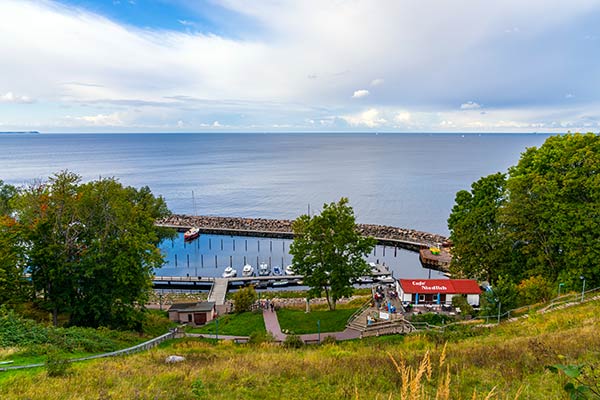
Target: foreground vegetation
508, 361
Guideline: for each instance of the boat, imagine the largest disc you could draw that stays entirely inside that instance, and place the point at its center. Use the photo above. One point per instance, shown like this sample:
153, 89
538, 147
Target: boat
248, 270
386, 279
229, 273
289, 270
191, 233
362, 280
277, 270
282, 282
263, 269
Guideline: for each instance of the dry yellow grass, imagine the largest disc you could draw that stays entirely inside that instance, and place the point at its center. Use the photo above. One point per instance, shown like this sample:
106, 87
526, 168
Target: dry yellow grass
503, 363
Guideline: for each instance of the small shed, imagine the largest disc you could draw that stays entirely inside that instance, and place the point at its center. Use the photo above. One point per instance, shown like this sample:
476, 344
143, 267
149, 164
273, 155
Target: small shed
437, 291
193, 313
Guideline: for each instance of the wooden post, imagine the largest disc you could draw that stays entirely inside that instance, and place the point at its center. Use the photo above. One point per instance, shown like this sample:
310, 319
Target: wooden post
175, 260
258, 241
384, 250
395, 250
188, 260
246, 244
201, 260
231, 261
244, 260
233, 244
215, 261
221, 244
271, 246
209, 243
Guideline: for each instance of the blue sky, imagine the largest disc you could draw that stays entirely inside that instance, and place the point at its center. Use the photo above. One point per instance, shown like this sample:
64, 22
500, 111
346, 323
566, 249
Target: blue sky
311, 65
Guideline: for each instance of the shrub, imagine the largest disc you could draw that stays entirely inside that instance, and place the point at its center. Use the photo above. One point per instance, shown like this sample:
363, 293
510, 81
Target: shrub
244, 298
57, 364
533, 290
329, 340
259, 337
462, 303
293, 342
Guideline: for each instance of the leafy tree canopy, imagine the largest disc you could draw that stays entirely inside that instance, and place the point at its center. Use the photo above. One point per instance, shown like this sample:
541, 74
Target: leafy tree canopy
329, 252
91, 247
543, 220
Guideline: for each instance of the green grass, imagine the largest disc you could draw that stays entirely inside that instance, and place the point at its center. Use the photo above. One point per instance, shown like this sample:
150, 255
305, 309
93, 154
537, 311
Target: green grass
299, 322
234, 324
510, 358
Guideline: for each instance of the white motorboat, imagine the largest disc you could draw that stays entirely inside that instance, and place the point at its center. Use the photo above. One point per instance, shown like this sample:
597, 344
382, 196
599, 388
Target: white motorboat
277, 270
263, 269
191, 233
248, 270
289, 270
229, 273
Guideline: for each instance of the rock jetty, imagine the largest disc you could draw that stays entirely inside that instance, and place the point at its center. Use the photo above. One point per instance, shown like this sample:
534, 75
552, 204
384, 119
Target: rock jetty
282, 228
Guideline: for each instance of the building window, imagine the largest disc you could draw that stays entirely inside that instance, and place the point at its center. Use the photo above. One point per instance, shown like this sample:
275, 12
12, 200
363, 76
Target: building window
421, 298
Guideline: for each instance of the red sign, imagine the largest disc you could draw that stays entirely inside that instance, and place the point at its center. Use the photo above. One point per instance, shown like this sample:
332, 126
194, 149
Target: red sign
449, 286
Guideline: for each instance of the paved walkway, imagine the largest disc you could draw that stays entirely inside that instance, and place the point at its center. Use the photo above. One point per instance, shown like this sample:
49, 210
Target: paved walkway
272, 325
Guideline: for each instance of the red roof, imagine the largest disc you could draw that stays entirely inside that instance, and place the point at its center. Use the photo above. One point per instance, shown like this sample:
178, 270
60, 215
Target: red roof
450, 286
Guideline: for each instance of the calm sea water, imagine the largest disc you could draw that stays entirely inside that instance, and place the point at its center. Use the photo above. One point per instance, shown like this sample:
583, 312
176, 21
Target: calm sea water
406, 180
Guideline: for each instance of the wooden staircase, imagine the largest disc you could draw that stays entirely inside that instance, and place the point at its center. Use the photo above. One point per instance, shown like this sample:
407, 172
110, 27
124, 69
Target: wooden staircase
395, 325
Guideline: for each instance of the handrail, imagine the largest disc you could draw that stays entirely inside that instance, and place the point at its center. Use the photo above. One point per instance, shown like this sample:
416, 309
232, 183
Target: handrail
130, 350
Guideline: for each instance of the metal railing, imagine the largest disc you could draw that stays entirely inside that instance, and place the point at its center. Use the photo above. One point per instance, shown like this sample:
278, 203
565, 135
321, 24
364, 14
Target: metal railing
130, 350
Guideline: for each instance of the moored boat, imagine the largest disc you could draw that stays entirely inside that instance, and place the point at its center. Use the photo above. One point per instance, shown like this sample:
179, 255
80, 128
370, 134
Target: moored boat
277, 270
229, 273
191, 233
263, 269
289, 270
248, 270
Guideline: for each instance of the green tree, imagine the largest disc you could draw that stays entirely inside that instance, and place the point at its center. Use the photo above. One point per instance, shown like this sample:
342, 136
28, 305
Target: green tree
92, 247
480, 249
534, 289
501, 297
13, 287
554, 208
244, 298
329, 251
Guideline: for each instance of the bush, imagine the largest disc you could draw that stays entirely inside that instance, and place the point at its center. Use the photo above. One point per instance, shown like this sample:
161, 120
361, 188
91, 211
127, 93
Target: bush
329, 340
259, 337
432, 318
533, 290
462, 303
293, 342
244, 298
57, 364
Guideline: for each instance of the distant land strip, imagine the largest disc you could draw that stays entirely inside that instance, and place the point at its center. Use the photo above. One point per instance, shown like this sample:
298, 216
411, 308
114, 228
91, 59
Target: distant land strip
282, 228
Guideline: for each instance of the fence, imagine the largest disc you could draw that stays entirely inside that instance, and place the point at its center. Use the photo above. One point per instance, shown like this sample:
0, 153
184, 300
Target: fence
130, 350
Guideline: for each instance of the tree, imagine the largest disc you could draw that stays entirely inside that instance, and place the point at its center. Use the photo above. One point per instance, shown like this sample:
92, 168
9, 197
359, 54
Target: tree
329, 251
500, 298
12, 284
554, 208
244, 298
91, 247
480, 249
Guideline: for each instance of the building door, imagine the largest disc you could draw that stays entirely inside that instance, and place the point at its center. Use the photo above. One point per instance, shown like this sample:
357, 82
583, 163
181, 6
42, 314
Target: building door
199, 318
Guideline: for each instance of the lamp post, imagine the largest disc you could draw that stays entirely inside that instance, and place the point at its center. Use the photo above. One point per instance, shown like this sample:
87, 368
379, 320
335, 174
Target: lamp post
499, 307
559, 286
583, 288
319, 330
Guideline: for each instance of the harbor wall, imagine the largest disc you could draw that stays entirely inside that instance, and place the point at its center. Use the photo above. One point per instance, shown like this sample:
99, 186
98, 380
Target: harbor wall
409, 239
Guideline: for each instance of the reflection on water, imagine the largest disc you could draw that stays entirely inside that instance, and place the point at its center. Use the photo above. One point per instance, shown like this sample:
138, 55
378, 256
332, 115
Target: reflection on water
209, 255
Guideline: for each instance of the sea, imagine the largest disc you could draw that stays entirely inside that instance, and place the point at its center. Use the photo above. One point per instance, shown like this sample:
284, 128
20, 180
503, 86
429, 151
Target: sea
397, 179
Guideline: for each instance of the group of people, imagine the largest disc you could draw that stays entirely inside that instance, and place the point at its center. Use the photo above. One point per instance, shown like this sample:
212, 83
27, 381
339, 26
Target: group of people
381, 296
267, 305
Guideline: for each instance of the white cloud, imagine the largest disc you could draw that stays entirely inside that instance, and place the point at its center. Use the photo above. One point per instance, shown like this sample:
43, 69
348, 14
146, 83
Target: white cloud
470, 105
277, 68
569, 96
10, 97
99, 120
216, 124
358, 94
402, 117
370, 118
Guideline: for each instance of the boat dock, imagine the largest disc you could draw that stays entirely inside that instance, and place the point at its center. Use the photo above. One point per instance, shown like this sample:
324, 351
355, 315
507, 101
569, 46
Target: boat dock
218, 287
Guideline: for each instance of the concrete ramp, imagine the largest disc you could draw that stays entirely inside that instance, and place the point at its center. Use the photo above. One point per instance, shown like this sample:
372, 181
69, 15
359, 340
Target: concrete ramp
218, 291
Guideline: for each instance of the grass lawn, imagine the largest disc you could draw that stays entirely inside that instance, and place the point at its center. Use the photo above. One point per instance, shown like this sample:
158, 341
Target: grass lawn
300, 322
234, 324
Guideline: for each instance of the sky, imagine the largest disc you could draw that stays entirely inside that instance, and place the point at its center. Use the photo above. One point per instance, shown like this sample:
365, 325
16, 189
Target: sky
306, 65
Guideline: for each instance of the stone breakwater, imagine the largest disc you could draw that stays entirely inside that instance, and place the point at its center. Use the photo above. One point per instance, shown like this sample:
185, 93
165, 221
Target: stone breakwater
282, 228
